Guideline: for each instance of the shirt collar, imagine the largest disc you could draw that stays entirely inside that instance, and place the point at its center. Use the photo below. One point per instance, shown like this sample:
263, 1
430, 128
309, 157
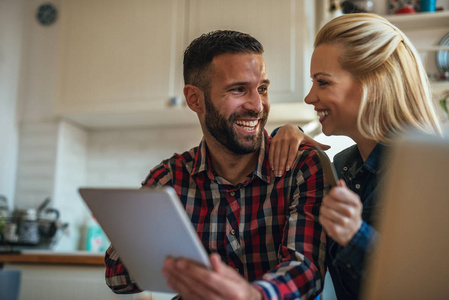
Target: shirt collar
373, 161
202, 162
354, 162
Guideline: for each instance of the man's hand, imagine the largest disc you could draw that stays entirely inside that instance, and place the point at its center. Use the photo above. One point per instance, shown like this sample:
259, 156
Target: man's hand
341, 213
193, 282
284, 147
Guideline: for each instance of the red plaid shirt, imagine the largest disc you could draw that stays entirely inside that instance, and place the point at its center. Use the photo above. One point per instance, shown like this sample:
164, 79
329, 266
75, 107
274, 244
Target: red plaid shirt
266, 228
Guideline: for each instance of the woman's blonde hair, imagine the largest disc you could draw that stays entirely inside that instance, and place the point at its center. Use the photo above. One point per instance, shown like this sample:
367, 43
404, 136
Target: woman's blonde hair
396, 92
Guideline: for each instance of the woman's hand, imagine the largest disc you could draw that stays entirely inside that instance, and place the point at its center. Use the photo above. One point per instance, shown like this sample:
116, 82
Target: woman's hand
341, 214
284, 147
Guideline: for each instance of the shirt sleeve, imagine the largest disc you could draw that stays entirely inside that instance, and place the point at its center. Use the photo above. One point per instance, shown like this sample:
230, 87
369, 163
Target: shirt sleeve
352, 257
117, 277
300, 274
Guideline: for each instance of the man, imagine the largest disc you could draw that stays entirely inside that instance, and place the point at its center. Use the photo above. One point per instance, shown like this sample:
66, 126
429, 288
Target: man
262, 231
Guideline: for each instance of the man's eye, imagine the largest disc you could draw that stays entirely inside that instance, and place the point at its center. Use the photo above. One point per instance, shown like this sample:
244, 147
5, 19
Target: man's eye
238, 90
263, 89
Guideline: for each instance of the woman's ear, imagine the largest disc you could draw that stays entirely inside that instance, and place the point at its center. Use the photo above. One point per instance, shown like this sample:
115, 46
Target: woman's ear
194, 98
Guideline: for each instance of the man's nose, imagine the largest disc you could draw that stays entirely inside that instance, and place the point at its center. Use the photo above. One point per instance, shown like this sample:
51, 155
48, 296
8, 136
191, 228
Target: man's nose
254, 102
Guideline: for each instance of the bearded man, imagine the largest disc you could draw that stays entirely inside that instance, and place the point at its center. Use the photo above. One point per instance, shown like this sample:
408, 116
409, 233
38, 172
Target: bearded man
261, 231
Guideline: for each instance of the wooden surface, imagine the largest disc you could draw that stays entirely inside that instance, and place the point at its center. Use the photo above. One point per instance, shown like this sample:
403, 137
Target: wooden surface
76, 258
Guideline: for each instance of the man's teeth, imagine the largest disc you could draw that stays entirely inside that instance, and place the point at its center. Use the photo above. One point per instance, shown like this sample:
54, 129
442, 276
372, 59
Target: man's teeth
248, 124
322, 113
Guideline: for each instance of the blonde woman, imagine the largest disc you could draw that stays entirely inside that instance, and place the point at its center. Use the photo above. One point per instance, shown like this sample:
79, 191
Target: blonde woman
368, 84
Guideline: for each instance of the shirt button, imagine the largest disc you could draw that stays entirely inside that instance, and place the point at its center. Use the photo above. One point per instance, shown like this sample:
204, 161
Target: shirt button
237, 269
345, 168
232, 194
349, 266
232, 231
357, 186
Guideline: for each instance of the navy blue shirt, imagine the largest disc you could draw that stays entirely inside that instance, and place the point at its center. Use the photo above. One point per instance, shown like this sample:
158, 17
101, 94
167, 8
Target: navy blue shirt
347, 264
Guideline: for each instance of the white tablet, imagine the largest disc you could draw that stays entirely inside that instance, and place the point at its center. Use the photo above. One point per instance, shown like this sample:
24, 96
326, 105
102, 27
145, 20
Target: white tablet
145, 226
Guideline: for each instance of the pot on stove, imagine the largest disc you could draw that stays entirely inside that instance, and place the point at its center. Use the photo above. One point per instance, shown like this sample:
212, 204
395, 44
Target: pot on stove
27, 230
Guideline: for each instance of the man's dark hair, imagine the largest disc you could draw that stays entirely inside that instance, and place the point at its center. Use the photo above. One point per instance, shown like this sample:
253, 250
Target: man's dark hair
201, 51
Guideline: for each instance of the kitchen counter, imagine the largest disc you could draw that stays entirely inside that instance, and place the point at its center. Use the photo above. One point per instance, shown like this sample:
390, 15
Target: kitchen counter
54, 258
74, 275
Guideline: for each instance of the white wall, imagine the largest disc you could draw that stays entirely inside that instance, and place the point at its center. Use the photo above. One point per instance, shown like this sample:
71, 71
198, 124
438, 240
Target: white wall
10, 45
39, 59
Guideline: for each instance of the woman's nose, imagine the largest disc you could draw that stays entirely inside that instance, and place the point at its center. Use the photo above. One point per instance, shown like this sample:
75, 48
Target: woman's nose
310, 97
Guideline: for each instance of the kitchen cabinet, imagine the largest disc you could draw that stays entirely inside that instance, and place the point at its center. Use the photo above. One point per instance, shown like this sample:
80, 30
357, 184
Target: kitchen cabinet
285, 29
119, 56
55, 276
120, 62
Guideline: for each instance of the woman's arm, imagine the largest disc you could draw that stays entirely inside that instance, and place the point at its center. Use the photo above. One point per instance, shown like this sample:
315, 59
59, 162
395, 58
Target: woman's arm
284, 147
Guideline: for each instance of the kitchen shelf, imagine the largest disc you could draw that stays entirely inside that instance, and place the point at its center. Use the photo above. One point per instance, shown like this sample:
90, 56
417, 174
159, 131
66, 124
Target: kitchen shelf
420, 20
433, 48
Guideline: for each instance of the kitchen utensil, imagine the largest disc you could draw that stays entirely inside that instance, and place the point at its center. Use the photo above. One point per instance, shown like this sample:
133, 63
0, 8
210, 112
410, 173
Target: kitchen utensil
28, 231
357, 6
9, 233
4, 211
406, 9
442, 57
330, 175
395, 5
49, 226
43, 205
427, 5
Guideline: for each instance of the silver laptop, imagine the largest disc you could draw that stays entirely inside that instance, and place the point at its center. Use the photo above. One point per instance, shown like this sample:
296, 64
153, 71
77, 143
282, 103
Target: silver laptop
411, 260
145, 226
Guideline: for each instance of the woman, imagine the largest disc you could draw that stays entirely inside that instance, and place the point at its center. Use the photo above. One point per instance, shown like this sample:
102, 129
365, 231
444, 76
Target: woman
368, 84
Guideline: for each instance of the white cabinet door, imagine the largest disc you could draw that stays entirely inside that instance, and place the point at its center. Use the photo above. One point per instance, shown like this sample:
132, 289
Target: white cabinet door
285, 28
119, 56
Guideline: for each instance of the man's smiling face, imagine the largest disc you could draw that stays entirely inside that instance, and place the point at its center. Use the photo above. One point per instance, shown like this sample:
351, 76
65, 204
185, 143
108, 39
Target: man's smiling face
237, 104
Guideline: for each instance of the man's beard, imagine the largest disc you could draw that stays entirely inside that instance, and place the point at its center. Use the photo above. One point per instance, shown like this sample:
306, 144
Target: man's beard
223, 130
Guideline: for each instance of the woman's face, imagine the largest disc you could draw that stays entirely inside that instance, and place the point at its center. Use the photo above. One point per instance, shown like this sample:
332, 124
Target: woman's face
335, 94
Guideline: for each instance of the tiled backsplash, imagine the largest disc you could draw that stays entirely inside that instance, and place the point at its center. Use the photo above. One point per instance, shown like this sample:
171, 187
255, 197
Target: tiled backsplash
124, 157
36, 163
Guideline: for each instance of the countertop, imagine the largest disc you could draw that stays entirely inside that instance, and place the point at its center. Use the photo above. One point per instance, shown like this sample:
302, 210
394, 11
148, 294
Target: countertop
48, 257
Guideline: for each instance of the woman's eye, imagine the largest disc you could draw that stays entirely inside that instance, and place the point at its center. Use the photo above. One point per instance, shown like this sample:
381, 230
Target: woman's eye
322, 82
